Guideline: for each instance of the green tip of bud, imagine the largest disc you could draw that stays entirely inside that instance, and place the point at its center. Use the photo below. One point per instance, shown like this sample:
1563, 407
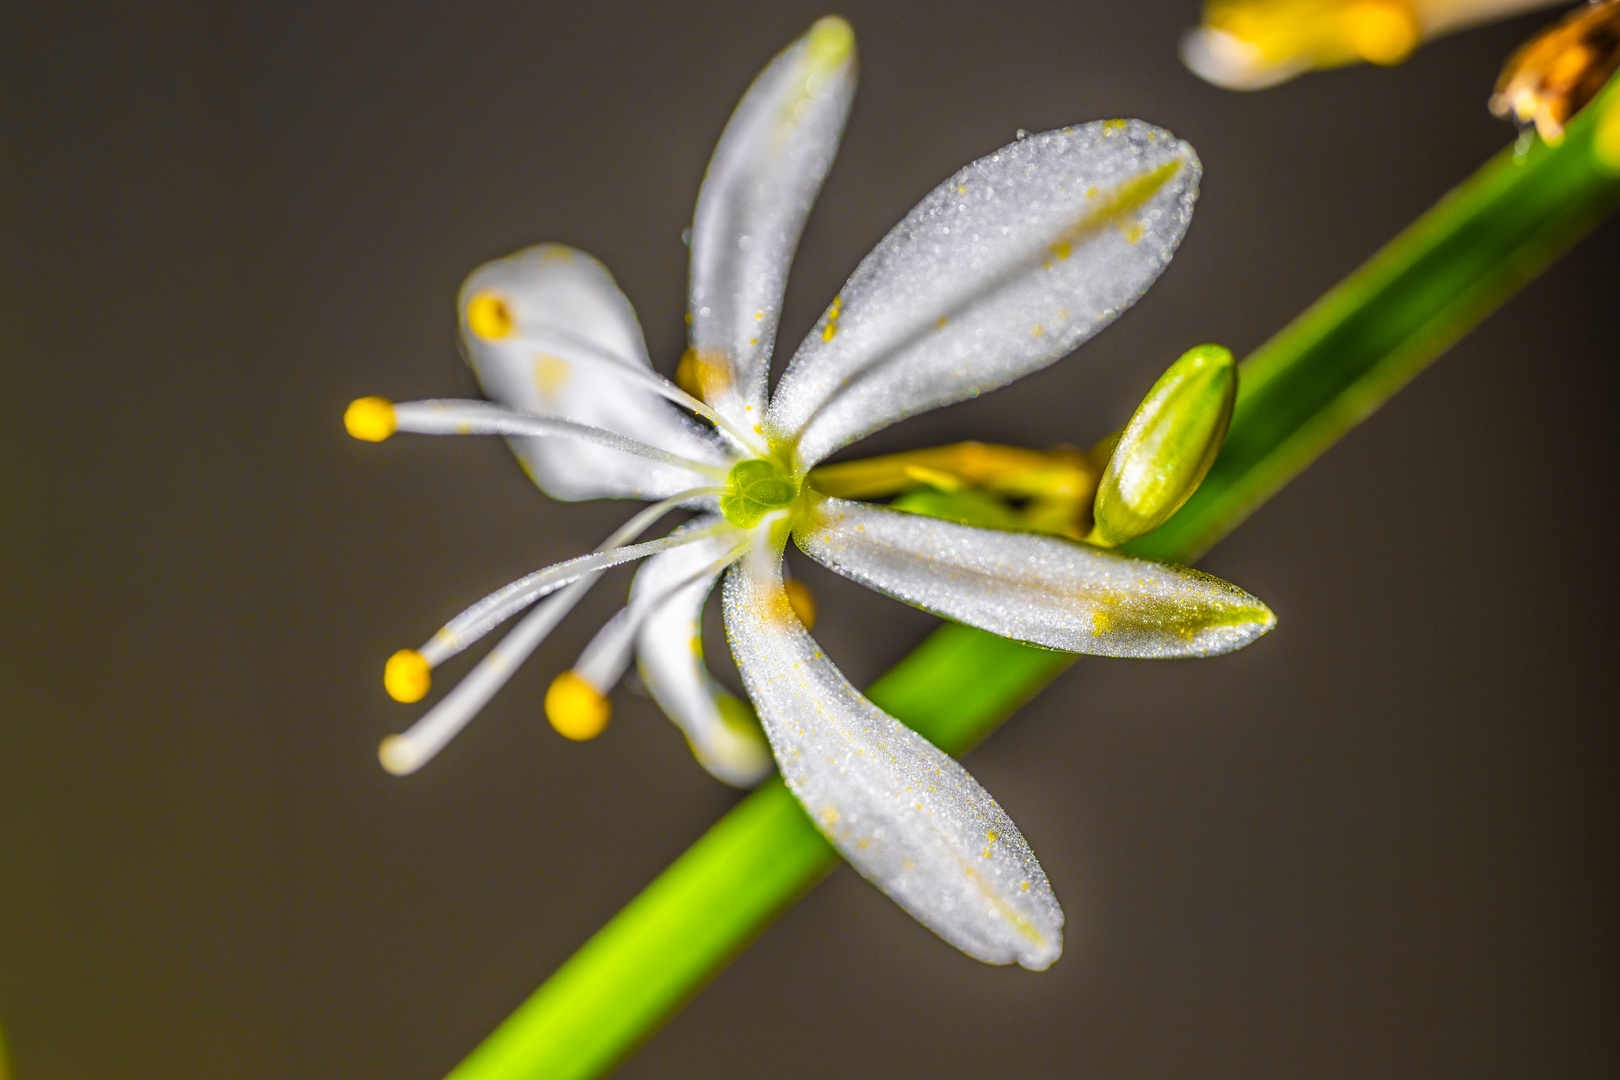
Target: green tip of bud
831, 39
1168, 446
754, 488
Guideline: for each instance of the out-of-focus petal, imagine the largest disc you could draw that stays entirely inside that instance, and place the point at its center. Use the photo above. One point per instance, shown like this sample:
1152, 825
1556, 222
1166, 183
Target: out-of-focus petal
669, 656
1041, 589
757, 193
538, 328
902, 811
1001, 270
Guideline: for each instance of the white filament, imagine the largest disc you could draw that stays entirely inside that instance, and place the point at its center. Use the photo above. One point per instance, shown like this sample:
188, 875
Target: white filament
405, 753
450, 416
508, 600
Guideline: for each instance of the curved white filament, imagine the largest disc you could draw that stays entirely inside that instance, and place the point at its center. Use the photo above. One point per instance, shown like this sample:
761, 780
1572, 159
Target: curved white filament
508, 600
407, 752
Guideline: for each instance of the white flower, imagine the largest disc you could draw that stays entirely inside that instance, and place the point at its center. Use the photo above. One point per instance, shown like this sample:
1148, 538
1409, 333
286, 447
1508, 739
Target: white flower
1004, 268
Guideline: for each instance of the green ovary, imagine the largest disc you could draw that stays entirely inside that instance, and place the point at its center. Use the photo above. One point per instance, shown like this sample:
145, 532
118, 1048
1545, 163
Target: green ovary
754, 488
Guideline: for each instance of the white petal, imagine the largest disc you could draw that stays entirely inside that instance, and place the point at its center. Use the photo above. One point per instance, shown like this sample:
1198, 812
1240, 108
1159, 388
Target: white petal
1041, 589
669, 655
553, 287
902, 811
755, 198
1001, 270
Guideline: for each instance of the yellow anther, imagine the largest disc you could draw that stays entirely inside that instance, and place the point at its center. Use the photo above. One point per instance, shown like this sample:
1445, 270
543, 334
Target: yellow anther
1380, 31
831, 39
370, 418
398, 755
488, 316
802, 601
575, 708
407, 676
703, 373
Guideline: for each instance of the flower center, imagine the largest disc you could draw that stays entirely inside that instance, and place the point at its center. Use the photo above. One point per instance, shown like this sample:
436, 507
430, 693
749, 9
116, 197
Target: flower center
756, 487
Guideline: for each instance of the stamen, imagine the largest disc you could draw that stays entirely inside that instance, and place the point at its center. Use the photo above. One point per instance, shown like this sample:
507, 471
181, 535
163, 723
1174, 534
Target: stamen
405, 753
450, 416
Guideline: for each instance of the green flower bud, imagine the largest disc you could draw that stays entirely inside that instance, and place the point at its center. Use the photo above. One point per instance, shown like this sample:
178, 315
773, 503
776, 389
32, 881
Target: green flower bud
1168, 446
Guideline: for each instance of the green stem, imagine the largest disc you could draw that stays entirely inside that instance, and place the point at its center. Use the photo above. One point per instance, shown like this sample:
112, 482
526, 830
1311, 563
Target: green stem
1301, 391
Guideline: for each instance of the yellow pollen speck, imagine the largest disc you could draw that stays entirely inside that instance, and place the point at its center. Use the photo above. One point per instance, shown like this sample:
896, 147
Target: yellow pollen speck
940, 323
1114, 125
1101, 622
829, 330
961, 189
370, 418
488, 316
1134, 233
1023, 886
550, 374
801, 601
1382, 31
1091, 192
829, 814
576, 708
1063, 249
407, 676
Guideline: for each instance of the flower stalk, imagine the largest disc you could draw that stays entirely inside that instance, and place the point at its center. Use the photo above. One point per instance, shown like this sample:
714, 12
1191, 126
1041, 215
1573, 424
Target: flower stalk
1299, 393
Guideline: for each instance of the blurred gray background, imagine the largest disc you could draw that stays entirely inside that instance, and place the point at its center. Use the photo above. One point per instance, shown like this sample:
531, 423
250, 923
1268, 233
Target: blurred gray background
1379, 842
